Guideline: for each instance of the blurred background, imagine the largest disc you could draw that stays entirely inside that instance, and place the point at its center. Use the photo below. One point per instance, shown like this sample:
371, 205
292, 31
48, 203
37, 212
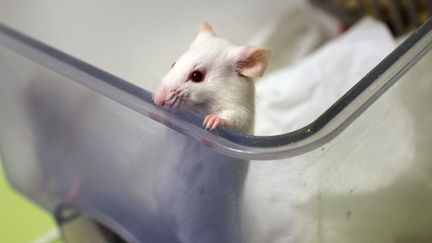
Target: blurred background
138, 40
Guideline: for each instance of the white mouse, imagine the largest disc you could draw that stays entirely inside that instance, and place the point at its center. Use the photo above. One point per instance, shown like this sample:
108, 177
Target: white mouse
214, 78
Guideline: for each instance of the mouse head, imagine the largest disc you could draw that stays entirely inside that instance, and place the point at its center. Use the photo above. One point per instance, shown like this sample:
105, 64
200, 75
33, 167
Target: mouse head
211, 68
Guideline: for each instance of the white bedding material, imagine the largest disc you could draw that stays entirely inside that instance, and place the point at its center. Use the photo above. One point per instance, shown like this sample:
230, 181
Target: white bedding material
292, 97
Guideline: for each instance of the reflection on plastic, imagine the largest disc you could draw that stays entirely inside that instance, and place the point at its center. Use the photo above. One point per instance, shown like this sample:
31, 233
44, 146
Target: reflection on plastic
65, 144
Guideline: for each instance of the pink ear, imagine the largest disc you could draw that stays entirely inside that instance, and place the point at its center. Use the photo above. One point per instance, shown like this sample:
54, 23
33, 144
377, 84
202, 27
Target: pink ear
205, 30
253, 61
205, 27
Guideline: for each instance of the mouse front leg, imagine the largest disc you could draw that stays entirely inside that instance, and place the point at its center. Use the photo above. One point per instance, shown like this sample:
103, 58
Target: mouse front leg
241, 120
213, 121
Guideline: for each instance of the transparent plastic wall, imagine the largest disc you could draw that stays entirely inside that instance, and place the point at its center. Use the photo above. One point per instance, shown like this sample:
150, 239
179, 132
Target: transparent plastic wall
138, 40
74, 136
371, 183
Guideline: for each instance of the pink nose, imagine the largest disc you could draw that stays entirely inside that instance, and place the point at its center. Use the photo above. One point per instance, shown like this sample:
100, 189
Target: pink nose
159, 96
158, 100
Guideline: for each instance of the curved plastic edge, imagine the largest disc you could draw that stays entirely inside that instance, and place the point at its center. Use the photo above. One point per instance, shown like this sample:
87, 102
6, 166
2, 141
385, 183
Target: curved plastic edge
97, 216
322, 130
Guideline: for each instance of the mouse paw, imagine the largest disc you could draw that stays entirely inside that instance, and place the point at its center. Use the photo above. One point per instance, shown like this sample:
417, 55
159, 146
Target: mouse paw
212, 121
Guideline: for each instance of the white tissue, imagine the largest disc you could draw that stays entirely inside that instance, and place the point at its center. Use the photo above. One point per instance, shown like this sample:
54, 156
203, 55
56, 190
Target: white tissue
276, 192
292, 97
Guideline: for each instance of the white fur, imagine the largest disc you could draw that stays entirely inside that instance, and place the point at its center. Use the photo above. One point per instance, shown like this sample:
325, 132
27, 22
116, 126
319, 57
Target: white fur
224, 91
201, 196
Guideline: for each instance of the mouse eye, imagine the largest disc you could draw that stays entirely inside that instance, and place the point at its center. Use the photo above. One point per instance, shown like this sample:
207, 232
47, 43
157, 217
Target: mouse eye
196, 76
172, 65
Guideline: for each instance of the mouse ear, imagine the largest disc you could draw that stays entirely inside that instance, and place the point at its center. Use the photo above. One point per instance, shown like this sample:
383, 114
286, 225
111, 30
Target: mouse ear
205, 30
253, 61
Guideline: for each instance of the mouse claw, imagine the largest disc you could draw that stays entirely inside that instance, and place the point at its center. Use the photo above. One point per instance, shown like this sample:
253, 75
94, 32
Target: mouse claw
212, 121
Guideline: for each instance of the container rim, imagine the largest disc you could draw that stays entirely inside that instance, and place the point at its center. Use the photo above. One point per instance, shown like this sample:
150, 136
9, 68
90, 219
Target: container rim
327, 126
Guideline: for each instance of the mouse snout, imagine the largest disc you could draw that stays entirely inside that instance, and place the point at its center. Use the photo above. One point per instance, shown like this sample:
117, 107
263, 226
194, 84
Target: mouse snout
159, 96
159, 100
167, 97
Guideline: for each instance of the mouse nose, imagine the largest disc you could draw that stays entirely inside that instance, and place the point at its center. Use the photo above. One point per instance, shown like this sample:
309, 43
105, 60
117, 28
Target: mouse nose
158, 100
159, 96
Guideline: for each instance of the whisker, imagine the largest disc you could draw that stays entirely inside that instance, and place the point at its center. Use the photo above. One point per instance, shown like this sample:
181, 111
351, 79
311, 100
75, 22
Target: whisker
171, 96
177, 98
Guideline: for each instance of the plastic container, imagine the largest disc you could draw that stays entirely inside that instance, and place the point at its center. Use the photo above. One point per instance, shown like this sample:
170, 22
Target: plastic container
75, 139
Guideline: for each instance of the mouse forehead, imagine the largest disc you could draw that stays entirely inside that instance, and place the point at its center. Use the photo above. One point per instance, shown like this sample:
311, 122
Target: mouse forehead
210, 50
206, 54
